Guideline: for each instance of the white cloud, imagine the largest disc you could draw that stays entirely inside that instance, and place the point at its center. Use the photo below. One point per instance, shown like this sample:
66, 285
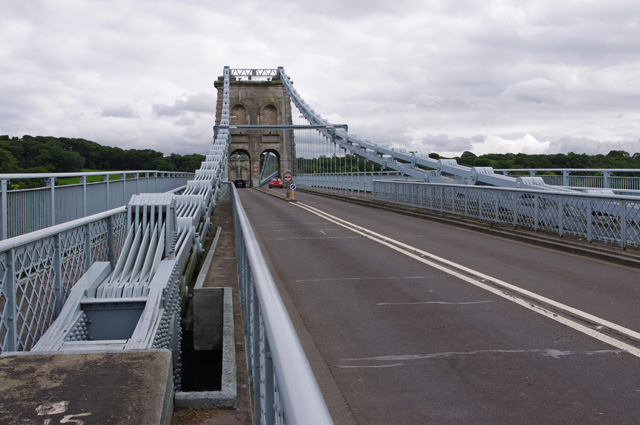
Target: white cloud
124, 111
424, 75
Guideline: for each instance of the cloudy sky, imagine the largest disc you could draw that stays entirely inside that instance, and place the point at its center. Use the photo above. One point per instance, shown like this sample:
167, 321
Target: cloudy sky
445, 76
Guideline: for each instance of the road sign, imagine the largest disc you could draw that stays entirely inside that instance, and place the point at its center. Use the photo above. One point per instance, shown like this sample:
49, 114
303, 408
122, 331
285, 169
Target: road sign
292, 187
287, 176
255, 167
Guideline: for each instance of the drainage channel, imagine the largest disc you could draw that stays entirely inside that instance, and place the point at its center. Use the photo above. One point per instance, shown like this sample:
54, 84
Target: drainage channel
208, 342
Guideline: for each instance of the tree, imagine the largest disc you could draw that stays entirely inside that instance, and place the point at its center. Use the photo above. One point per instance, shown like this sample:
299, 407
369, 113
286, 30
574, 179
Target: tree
8, 163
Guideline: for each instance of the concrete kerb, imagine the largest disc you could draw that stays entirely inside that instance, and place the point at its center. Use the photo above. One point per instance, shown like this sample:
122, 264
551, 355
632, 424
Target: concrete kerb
228, 394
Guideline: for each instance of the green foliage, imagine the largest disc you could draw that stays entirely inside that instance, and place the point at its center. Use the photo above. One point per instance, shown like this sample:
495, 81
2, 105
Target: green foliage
51, 154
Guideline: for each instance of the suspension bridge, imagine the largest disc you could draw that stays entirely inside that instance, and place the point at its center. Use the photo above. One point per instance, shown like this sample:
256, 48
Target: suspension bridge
350, 314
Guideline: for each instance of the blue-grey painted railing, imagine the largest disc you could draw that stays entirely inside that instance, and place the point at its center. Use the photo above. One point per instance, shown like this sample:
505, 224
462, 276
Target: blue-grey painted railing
285, 389
354, 182
605, 218
38, 270
28, 210
574, 177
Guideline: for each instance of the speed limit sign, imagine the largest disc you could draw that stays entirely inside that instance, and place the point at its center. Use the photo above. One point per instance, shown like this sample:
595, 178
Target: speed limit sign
287, 176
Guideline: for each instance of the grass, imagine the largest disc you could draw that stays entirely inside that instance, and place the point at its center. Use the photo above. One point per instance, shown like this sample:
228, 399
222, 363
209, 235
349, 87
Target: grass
90, 179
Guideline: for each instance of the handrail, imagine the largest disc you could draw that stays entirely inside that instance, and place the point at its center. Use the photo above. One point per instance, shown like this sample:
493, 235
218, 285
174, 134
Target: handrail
89, 173
27, 238
295, 383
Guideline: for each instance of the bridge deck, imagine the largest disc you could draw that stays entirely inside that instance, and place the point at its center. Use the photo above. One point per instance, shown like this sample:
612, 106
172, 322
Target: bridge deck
393, 340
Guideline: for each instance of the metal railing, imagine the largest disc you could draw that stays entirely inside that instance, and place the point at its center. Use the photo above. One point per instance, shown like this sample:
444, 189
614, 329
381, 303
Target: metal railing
38, 270
610, 219
355, 182
28, 210
285, 389
574, 177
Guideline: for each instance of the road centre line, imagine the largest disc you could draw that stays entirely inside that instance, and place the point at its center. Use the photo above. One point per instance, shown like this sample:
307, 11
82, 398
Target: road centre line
562, 313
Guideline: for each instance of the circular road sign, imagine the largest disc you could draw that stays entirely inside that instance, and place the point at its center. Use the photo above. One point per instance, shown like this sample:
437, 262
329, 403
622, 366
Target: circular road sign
292, 187
287, 176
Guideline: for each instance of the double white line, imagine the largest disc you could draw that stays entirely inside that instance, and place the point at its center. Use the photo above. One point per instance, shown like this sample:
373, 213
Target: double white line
593, 326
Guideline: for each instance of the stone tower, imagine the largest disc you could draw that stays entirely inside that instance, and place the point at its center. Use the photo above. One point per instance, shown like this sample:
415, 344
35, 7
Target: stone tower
262, 102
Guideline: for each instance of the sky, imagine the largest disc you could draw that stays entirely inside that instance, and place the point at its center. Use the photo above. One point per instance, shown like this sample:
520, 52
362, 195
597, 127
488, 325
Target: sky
443, 76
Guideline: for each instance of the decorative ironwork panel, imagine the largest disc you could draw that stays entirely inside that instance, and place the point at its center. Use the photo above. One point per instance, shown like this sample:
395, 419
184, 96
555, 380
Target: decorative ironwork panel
4, 314
34, 276
72, 258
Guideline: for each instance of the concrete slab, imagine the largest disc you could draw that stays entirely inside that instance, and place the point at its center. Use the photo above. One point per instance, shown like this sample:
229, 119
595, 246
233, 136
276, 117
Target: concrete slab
129, 387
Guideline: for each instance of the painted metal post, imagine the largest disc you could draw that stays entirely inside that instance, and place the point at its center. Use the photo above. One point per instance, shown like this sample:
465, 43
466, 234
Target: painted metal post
11, 338
590, 220
51, 182
623, 224
105, 178
4, 209
496, 209
57, 275
536, 219
269, 389
110, 244
83, 181
560, 216
605, 177
565, 178
87, 247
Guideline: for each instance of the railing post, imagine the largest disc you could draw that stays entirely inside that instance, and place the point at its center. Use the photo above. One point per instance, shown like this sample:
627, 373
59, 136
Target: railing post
565, 178
57, 275
51, 182
535, 212
4, 207
560, 216
605, 178
105, 178
623, 224
110, 247
590, 220
87, 247
83, 180
9, 291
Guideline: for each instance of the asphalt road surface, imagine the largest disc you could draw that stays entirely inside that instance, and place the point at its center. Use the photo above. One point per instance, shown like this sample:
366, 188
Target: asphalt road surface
407, 321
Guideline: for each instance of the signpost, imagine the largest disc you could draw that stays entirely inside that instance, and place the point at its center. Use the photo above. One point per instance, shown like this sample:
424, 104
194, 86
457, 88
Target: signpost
287, 176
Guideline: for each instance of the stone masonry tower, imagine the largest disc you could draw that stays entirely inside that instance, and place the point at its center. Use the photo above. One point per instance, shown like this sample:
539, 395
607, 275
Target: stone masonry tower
261, 102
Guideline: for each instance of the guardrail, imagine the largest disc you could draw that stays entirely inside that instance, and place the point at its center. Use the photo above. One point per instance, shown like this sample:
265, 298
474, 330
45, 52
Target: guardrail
574, 177
28, 210
355, 182
38, 270
609, 219
285, 389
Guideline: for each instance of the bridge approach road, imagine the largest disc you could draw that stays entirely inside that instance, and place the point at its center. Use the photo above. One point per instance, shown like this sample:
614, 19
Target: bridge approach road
487, 331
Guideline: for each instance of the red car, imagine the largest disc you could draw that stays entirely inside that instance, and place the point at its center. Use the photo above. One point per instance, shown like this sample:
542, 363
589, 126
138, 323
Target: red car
275, 182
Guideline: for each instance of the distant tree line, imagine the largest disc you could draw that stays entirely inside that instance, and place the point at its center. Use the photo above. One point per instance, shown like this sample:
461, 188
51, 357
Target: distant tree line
614, 159
42, 154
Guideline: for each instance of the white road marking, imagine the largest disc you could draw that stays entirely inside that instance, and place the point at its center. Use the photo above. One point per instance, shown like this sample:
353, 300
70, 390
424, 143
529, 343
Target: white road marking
546, 352
363, 278
438, 302
498, 287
